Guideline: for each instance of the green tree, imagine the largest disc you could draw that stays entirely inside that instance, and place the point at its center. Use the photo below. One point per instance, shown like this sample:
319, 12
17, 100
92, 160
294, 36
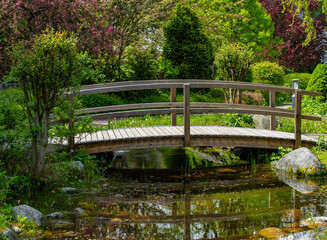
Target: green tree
244, 21
186, 46
45, 72
233, 62
318, 81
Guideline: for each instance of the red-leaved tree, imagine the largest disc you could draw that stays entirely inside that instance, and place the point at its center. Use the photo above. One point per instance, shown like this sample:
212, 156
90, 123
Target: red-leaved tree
293, 54
20, 20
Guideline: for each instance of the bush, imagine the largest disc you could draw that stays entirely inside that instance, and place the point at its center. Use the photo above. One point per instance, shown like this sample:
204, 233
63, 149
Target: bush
267, 73
99, 100
11, 110
303, 77
318, 81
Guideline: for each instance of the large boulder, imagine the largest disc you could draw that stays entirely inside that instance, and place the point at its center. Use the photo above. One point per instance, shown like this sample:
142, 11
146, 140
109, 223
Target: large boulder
301, 161
30, 213
8, 235
77, 165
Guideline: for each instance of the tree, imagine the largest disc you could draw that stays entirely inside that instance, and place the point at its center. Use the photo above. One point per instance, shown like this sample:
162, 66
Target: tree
246, 21
290, 29
233, 62
46, 72
303, 7
21, 20
186, 46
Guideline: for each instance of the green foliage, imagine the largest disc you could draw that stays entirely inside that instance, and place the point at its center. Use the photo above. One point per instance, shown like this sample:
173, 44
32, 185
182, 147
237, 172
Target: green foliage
314, 107
267, 73
11, 111
29, 228
99, 100
61, 172
186, 46
303, 77
140, 64
4, 188
89, 70
233, 62
318, 81
166, 70
237, 120
275, 156
245, 22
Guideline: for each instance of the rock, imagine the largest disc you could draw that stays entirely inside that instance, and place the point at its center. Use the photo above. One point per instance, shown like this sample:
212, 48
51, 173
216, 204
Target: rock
30, 213
301, 161
8, 235
55, 215
63, 225
16, 229
261, 121
78, 210
77, 165
119, 195
115, 220
271, 233
318, 221
69, 189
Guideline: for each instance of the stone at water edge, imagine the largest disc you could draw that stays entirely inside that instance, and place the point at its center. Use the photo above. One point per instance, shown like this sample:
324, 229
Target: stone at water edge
9, 234
78, 210
55, 215
301, 160
77, 165
30, 213
271, 233
69, 189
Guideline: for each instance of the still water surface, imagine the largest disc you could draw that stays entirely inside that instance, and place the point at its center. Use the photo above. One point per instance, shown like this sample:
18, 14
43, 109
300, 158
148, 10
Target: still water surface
175, 194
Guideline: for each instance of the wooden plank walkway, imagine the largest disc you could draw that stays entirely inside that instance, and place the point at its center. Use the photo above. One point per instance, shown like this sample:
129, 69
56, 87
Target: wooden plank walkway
173, 136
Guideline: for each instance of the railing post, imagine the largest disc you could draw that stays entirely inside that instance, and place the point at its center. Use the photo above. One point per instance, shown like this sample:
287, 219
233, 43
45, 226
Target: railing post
295, 85
71, 138
187, 115
297, 117
173, 99
272, 100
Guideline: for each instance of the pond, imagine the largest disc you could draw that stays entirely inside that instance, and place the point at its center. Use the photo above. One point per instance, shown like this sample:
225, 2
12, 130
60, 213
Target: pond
188, 194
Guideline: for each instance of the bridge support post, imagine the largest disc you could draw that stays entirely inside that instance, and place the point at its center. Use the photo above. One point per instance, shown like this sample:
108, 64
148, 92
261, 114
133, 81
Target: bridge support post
272, 100
187, 115
173, 99
297, 118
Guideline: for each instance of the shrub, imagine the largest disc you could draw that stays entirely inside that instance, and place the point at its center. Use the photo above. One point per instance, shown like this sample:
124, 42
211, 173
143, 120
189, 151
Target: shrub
186, 46
318, 81
11, 110
99, 100
303, 77
267, 73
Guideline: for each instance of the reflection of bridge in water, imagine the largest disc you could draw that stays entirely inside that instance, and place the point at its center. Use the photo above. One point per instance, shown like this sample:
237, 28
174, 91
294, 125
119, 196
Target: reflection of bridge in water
224, 205
187, 135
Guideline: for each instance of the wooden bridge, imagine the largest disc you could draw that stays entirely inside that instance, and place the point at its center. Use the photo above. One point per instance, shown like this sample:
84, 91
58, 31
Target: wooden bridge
187, 135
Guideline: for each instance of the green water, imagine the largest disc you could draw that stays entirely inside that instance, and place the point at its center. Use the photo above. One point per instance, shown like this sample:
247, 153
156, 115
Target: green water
170, 194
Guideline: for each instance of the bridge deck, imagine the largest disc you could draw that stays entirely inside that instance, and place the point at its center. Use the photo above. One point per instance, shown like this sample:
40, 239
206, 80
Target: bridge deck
173, 136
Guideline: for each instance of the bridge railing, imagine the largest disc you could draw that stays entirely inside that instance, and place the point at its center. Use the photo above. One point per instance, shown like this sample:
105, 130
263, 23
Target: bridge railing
187, 108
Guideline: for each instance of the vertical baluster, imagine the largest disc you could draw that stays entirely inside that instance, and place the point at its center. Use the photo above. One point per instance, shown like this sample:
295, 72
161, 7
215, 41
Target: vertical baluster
272, 100
297, 117
187, 115
173, 99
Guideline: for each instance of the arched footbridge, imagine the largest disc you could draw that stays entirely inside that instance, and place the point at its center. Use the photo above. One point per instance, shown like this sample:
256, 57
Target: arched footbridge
187, 135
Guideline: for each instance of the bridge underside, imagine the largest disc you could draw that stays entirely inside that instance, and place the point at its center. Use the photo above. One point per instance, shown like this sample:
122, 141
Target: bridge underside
173, 136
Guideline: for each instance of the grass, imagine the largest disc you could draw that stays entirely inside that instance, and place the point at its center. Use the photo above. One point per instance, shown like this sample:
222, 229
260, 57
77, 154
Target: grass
236, 120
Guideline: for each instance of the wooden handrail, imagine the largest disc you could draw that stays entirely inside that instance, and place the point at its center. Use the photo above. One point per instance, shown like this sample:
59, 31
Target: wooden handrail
188, 108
